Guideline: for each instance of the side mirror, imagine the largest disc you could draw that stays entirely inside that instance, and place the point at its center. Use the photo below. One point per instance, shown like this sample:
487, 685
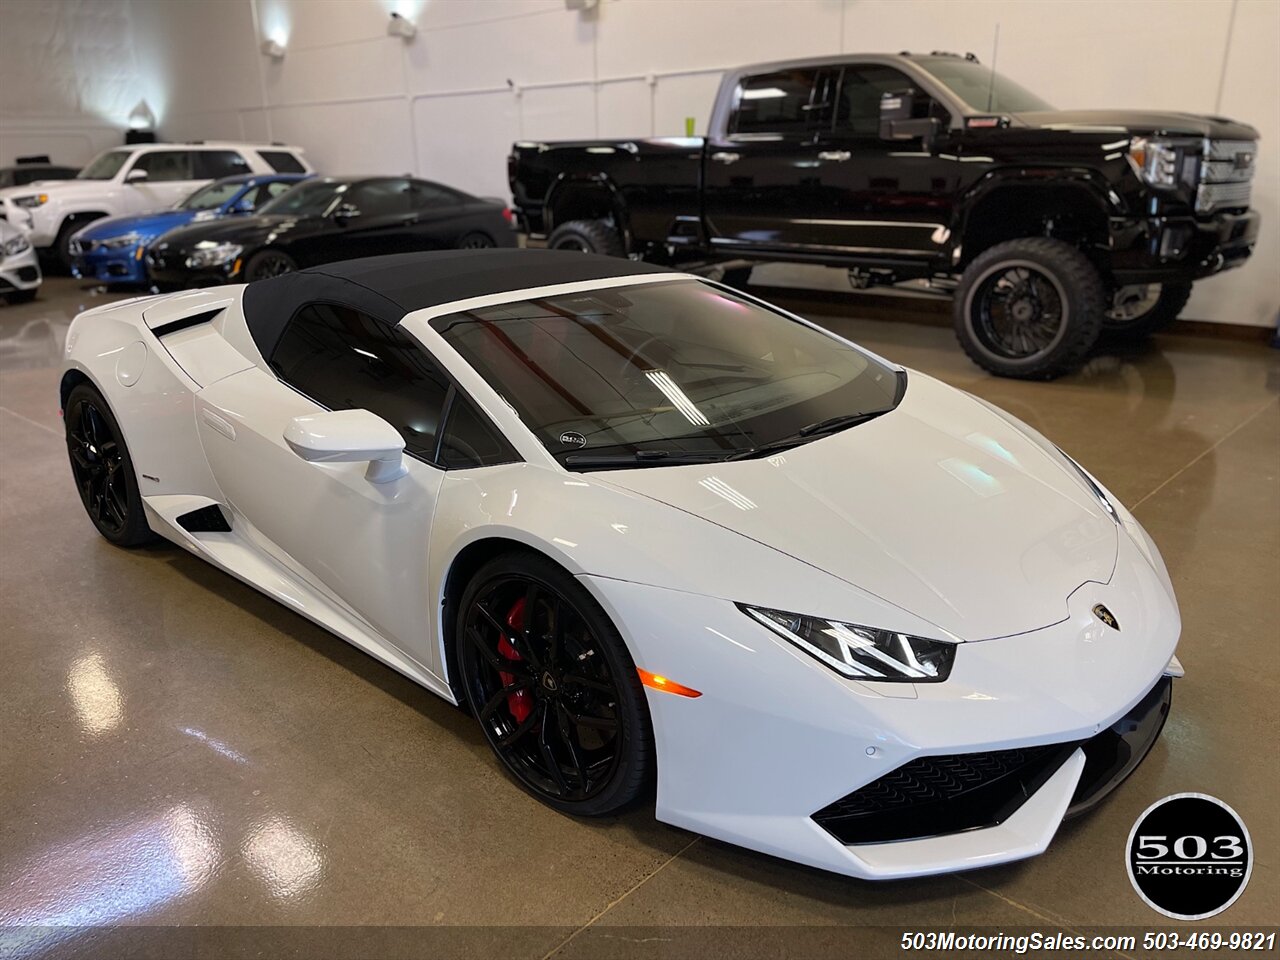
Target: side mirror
349, 436
896, 122
135, 176
346, 213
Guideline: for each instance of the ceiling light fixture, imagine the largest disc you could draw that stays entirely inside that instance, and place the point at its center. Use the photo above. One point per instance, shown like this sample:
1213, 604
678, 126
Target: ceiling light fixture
273, 49
401, 27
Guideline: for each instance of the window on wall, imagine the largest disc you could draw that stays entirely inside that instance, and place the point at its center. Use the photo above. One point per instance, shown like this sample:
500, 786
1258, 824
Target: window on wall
282, 161
346, 360
858, 109
776, 102
165, 165
216, 164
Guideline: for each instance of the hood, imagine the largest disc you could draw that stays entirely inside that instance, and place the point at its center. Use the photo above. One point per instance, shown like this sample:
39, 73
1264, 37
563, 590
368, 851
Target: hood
941, 507
242, 230
145, 225
1140, 122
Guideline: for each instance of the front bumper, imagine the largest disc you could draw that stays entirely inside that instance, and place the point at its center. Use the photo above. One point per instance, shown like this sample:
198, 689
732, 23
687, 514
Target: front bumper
21, 272
1166, 249
777, 737
117, 266
168, 269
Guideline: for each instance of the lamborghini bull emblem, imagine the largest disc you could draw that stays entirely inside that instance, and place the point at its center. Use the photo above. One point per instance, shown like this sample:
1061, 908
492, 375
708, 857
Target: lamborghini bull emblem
1106, 616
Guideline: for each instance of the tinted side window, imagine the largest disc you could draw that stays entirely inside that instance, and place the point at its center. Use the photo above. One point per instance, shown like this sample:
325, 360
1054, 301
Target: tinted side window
345, 360
469, 439
858, 110
282, 161
426, 196
775, 102
381, 198
216, 164
163, 165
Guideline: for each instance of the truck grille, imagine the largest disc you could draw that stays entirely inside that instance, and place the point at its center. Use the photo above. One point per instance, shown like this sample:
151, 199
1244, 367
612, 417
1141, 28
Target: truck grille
1226, 175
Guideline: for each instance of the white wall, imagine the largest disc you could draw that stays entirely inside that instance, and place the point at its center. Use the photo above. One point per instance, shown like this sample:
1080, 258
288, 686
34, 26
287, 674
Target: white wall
482, 73
68, 78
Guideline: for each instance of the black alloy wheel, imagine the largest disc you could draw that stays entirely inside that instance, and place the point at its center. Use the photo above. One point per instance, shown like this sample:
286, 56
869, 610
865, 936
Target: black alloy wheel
554, 689
1029, 308
1019, 311
476, 241
102, 469
268, 263
1140, 310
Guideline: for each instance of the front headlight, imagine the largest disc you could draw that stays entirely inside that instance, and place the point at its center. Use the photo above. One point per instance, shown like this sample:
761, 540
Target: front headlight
864, 653
1154, 161
210, 254
15, 245
35, 200
119, 243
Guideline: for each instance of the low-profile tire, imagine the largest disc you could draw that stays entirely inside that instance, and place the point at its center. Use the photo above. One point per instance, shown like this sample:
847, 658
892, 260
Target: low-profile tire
557, 694
1029, 308
1156, 306
587, 236
21, 296
102, 468
268, 263
476, 241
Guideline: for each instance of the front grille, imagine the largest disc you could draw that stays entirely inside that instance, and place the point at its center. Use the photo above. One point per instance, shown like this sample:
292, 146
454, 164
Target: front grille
931, 796
1226, 175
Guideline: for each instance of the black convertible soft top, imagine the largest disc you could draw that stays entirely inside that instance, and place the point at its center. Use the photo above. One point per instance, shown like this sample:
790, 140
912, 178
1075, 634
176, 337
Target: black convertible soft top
391, 287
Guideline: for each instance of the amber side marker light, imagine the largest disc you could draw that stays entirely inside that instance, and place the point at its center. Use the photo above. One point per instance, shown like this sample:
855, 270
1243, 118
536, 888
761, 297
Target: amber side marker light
659, 682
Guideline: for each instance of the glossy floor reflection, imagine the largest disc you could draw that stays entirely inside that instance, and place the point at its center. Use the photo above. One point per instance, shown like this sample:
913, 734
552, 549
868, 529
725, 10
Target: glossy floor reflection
177, 749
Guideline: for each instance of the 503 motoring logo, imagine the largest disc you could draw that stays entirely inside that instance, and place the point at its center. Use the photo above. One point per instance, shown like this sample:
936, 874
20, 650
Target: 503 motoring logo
1189, 856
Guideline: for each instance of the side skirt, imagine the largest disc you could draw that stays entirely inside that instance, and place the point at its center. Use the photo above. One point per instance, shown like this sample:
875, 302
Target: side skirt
234, 555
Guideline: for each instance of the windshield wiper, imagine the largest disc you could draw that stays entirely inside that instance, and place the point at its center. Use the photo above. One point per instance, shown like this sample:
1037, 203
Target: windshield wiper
807, 433
641, 458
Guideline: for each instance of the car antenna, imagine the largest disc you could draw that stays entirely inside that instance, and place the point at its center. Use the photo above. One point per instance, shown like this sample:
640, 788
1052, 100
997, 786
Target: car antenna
991, 86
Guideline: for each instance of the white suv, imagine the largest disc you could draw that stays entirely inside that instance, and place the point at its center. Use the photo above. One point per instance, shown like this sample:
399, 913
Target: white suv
134, 179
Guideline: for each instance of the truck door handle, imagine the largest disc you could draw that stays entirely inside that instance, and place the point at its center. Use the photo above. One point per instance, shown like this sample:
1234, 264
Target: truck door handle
840, 156
723, 157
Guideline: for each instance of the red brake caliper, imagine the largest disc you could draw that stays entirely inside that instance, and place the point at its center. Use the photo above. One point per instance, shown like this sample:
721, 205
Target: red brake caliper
519, 703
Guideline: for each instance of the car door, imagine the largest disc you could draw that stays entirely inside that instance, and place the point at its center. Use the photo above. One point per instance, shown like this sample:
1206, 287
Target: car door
170, 177
890, 198
759, 181
375, 217
364, 543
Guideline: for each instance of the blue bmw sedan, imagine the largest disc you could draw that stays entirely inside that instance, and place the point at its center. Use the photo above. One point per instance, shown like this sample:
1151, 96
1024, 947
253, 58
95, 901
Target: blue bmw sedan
110, 250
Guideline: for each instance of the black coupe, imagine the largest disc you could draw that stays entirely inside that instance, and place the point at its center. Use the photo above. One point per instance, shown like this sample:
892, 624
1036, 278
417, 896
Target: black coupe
325, 220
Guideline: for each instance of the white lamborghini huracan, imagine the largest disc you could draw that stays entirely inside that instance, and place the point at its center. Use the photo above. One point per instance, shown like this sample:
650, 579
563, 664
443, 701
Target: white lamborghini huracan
647, 528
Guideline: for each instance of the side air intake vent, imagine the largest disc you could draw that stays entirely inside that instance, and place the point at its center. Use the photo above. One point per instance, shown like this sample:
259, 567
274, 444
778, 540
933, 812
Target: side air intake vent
182, 323
937, 795
208, 519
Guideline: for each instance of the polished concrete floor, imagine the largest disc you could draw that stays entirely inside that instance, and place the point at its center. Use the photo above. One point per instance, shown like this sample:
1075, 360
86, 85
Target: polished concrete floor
175, 749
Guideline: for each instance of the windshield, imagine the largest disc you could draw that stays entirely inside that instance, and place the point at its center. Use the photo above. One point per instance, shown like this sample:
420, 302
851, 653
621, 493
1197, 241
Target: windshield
680, 367
213, 195
104, 165
980, 88
315, 198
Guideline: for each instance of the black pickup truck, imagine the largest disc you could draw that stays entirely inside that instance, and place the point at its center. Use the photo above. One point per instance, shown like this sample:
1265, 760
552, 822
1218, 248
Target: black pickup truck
1047, 227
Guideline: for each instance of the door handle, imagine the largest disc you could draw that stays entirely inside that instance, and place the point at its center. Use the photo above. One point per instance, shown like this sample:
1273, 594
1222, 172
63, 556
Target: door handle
839, 156
217, 423
724, 157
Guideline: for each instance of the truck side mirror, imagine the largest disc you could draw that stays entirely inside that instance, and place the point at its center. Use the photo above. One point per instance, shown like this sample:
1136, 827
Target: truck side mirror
896, 122
135, 176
